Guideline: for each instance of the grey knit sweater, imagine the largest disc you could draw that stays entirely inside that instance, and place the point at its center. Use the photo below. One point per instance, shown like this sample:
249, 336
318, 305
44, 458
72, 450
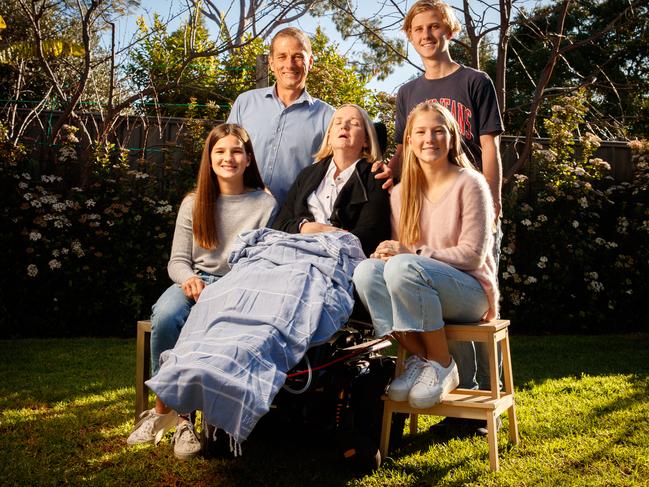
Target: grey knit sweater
234, 214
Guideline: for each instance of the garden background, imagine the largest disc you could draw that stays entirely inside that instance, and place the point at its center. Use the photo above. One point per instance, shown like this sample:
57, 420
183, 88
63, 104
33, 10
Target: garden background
91, 175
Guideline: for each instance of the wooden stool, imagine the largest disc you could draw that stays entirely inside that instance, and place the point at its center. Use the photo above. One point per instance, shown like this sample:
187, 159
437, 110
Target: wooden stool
142, 367
466, 403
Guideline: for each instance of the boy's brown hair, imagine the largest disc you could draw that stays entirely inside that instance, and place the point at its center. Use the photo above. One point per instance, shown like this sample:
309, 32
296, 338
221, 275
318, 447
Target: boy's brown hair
443, 9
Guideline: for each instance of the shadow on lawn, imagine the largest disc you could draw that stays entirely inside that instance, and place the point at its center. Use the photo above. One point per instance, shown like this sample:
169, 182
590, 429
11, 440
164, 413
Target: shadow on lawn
536, 359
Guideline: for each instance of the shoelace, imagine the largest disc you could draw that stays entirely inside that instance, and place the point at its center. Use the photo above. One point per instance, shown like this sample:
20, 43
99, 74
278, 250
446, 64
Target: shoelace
413, 364
430, 375
187, 429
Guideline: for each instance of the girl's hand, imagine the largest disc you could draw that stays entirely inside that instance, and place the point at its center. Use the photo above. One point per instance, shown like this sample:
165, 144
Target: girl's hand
193, 287
389, 248
313, 227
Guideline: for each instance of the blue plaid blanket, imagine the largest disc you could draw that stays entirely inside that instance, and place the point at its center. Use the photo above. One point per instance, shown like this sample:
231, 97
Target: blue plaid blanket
284, 293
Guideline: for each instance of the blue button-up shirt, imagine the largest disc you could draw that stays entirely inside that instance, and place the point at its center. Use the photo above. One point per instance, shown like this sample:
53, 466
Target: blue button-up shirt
284, 138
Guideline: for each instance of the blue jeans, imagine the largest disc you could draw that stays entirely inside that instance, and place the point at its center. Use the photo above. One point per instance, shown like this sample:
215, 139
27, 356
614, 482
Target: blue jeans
168, 316
414, 293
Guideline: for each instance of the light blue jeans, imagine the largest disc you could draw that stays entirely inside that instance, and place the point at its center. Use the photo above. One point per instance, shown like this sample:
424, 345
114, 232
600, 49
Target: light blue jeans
414, 293
168, 316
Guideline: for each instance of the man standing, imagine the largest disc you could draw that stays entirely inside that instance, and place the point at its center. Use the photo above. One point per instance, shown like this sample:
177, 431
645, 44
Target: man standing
470, 96
285, 123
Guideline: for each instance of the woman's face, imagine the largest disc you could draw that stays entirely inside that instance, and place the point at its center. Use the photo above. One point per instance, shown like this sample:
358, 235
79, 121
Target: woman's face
347, 131
430, 138
229, 158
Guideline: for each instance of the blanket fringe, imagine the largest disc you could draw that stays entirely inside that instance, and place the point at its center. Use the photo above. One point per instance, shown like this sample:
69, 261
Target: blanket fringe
235, 447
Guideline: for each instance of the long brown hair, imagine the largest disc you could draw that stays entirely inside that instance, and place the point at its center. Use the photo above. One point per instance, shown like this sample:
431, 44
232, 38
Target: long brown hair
413, 181
207, 185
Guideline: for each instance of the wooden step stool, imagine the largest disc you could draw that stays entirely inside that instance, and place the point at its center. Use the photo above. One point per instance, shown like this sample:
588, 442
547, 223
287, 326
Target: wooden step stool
466, 403
142, 366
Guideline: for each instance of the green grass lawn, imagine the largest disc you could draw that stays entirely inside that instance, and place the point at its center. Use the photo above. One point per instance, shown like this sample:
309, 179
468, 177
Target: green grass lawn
66, 408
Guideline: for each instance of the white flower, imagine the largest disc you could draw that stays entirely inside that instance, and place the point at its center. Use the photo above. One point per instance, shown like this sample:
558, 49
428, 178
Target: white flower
530, 280
58, 206
526, 222
23, 185
511, 269
90, 203
26, 175
542, 262
580, 171
575, 223
54, 264
32, 270
506, 275
36, 204
55, 253
28, 196
583, 202
163, 209
600, 241
35, 235
593, 275
596, 286
542, 218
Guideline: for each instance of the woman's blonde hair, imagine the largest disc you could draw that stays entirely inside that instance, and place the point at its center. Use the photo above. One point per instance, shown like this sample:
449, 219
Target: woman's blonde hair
370, 153
207, 185
412, 176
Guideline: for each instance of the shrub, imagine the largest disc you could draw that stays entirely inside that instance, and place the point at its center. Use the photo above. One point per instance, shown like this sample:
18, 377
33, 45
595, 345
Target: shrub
575, 242
85, 260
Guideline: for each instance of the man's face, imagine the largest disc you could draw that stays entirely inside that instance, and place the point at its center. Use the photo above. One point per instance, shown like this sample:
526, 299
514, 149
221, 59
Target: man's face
290, 63
429, 35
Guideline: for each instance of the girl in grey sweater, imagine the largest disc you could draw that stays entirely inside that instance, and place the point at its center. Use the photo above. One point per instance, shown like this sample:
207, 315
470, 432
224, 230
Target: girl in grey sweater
229, 199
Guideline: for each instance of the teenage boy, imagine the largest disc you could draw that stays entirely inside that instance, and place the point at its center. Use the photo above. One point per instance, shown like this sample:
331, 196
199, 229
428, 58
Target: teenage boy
285, 123
470, 96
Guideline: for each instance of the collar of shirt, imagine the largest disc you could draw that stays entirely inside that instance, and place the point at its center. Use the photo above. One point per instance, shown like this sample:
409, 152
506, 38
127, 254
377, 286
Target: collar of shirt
321, 201
303, 98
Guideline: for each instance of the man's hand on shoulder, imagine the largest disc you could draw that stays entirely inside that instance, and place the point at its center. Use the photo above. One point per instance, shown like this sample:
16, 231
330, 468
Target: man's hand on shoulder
383, 171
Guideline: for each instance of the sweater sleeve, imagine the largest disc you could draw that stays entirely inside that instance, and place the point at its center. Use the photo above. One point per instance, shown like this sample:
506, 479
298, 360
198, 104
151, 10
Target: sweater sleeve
180, 266
475, 214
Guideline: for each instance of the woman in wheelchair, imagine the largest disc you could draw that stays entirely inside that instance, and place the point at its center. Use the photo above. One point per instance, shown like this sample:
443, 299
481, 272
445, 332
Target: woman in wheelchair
339, 192
439, 266
283, 292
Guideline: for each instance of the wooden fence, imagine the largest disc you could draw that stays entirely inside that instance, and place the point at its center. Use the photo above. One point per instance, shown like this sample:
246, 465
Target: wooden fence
157, 138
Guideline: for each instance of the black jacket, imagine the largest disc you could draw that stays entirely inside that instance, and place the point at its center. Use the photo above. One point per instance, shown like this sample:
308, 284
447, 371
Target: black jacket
362, 206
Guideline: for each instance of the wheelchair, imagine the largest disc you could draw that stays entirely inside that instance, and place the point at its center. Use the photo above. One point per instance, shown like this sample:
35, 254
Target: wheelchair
336, 392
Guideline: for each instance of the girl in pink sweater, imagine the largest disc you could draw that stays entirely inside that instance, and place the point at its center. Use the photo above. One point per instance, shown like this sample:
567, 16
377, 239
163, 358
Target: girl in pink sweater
439, 267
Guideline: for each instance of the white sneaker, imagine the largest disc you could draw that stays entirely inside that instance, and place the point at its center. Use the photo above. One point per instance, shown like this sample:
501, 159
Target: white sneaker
400, 386
151, 427
433, 384
186, 444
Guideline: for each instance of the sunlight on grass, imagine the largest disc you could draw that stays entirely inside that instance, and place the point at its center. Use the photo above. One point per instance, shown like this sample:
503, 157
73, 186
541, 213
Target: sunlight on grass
581, 421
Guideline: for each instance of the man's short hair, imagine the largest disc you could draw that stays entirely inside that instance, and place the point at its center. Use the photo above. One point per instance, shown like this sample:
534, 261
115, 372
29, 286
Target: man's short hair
296, 34
443, 9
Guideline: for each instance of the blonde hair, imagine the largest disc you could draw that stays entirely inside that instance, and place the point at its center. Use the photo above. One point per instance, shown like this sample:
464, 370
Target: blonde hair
443, 9
412, 176
296, 34
207, 185
370, 153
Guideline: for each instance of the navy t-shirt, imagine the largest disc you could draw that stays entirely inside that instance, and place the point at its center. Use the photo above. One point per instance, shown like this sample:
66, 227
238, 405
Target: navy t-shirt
470, 96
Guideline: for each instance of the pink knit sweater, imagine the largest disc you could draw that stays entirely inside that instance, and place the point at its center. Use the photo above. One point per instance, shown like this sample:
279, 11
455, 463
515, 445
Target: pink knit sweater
458, 230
